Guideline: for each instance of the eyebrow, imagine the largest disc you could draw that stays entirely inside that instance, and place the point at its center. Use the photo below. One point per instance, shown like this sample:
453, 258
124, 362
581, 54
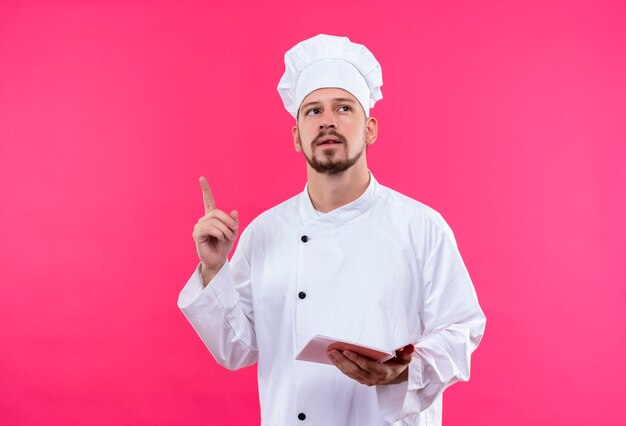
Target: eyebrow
347, 100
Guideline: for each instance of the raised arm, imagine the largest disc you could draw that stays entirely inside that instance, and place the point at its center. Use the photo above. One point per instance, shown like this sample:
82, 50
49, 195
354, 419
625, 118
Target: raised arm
217, 299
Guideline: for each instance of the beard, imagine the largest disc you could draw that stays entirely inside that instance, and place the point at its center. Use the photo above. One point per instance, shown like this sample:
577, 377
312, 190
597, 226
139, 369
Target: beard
328, 165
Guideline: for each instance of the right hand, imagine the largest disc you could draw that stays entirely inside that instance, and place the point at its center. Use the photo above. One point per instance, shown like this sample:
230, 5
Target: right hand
214, 234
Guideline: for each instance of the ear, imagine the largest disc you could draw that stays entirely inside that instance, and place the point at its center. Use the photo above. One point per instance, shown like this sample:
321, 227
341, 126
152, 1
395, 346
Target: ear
297, 143
371, 130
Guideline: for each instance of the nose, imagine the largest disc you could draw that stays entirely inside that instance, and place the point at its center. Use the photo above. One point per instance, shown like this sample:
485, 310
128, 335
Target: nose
328, 119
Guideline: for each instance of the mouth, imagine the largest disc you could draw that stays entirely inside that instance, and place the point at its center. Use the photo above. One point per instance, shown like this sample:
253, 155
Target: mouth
328, 141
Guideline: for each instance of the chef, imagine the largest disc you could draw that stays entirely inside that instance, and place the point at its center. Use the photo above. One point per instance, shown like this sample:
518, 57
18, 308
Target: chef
347, 258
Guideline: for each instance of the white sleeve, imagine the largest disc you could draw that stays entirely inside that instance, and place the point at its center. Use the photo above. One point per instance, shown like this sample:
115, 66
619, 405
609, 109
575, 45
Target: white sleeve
221, 313
453, 325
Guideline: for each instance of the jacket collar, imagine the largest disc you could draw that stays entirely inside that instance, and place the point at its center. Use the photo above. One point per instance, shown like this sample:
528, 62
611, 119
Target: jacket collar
342, 214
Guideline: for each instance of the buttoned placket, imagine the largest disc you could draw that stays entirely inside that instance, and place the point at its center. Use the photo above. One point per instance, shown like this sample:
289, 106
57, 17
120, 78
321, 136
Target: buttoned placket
317, 256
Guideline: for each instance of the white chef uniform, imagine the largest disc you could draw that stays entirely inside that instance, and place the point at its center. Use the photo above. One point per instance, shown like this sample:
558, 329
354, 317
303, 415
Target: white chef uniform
382, 270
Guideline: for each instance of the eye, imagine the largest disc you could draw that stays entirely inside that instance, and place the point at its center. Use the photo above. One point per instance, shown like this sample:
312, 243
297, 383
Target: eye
312, 111
344, 108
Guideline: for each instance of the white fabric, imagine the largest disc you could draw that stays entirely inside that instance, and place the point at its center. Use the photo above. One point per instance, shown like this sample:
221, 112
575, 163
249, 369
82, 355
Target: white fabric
382, 270
327, 61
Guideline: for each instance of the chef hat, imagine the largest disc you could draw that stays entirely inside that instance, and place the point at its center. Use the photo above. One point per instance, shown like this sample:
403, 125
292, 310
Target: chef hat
330, 61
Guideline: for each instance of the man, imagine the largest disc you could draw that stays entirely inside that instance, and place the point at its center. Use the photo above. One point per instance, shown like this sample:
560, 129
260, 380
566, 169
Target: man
346, 258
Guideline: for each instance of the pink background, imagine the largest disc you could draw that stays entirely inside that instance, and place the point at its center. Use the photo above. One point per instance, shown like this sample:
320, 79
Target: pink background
506, 117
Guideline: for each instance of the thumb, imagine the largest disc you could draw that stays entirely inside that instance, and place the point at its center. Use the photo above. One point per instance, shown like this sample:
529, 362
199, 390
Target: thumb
235, 215
405, 354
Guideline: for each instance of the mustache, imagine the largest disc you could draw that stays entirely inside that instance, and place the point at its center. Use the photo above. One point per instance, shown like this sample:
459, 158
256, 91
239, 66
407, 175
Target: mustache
330, 132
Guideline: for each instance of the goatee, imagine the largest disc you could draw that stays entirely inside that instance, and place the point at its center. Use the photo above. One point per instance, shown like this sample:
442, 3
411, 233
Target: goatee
330, 167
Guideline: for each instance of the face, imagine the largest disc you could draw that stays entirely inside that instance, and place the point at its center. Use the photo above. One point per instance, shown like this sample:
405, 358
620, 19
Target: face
332, 131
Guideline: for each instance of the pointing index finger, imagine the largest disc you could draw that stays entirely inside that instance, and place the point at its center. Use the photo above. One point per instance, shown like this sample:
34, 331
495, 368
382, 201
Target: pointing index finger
207, 195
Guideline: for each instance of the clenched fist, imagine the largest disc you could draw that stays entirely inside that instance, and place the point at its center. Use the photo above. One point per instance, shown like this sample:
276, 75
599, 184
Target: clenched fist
214, 234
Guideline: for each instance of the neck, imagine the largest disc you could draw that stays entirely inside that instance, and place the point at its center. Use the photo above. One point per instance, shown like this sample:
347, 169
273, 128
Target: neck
329, 192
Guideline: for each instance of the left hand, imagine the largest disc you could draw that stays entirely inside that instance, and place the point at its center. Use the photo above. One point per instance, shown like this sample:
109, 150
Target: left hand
371, 373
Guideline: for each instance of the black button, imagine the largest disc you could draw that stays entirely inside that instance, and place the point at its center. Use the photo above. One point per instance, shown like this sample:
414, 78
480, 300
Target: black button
304, 238
301, 416
302, 295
